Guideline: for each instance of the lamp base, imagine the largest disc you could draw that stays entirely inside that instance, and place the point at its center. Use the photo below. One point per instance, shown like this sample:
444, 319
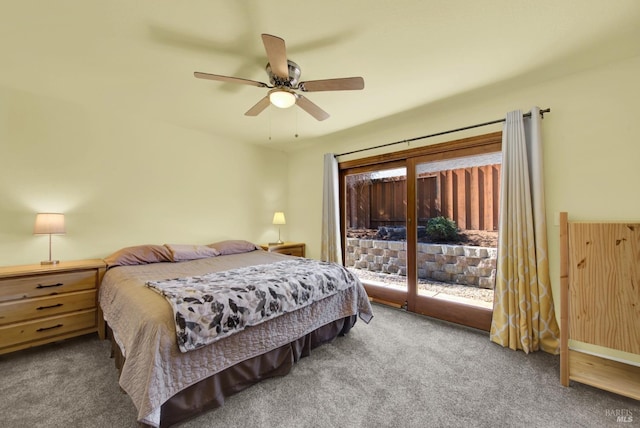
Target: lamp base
276, 243
49, 262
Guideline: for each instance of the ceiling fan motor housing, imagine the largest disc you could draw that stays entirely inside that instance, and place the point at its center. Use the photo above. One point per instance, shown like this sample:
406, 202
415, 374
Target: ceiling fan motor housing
294, 76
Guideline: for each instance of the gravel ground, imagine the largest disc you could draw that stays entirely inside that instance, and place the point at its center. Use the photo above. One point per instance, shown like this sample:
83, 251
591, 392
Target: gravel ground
429, 286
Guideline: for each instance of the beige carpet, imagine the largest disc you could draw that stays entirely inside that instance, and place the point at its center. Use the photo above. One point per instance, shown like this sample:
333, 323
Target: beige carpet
402, 370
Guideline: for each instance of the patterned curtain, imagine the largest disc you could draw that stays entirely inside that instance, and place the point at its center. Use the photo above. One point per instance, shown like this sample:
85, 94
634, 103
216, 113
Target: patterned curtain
331, 246
523, 314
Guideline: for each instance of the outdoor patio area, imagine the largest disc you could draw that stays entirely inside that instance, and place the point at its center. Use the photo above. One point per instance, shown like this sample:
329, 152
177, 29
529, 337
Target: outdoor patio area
453, 292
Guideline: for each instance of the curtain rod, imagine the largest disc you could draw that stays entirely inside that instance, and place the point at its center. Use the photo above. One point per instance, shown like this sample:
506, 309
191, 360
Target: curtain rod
542, 112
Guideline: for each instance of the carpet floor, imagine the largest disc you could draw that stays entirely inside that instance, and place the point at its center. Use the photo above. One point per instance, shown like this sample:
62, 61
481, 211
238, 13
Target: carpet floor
401, 370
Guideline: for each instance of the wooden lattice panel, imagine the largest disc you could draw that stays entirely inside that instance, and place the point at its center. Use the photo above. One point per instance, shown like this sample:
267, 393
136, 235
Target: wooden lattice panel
604, 285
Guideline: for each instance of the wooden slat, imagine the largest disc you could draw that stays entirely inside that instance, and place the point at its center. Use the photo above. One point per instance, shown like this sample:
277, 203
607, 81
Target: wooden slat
449, 195
487, 190
427, 198
474, 199
604, 292
482, 211
460, 201
564, 300
603, 373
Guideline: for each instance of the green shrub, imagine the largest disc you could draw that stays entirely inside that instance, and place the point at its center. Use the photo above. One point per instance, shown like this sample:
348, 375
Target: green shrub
441, 229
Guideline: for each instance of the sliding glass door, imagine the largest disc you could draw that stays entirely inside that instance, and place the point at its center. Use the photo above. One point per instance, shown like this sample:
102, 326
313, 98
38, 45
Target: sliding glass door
375, 228
454, 237
421, 228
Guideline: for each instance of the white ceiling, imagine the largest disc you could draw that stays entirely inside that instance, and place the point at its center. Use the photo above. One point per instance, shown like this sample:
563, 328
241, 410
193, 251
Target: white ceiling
138, 57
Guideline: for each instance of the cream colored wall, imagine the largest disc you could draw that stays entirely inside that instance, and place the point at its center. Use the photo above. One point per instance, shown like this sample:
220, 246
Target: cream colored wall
124, 179
591, 147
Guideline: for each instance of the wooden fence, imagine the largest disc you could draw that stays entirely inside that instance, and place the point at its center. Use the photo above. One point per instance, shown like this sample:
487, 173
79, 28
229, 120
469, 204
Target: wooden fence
469, 196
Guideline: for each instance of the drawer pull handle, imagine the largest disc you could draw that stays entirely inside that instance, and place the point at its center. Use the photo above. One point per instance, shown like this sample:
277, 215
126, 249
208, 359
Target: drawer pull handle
49, 286
39, 308
49, 328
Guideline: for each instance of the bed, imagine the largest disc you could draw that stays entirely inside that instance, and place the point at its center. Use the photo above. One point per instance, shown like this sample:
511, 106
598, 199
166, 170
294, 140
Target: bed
168, 383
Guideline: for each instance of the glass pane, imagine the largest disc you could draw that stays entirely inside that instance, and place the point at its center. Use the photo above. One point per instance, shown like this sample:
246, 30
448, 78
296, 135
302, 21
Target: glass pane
376, 215
457, 205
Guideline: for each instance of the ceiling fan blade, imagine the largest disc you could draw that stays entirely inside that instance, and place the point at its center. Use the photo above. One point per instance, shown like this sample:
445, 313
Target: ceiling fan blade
311, 108
259, 107
342, 84
277, 55
209, 76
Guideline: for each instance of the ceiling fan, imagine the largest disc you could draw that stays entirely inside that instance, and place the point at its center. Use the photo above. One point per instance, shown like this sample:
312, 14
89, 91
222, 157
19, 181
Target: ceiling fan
284, 77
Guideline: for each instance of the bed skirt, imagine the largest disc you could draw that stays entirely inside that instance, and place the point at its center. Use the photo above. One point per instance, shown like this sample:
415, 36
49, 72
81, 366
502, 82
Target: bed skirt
210, 393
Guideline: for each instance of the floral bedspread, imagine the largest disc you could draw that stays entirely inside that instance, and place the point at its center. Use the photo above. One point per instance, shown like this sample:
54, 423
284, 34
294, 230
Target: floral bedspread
216, 305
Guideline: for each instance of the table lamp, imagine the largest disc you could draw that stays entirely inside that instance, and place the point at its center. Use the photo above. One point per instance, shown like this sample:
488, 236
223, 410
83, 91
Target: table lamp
49, 224
278, 218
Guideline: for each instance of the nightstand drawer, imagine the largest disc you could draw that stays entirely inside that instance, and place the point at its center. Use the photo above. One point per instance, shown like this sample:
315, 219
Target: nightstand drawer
45, 285
289, 251
296, 249
22, 310
45, 328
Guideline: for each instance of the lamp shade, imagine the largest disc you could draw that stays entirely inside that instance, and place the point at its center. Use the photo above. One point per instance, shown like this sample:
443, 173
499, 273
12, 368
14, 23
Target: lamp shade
278, 218
282, 98
49, 223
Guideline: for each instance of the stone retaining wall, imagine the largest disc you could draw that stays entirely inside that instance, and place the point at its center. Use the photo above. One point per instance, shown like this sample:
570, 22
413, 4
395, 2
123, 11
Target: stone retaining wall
457, 264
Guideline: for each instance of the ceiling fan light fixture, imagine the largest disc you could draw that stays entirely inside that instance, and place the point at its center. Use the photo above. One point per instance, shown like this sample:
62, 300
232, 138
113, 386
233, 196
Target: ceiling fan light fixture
282, 98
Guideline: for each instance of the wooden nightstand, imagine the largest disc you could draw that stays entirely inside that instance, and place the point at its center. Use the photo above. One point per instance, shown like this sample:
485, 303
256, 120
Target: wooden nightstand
41, 304
288, 248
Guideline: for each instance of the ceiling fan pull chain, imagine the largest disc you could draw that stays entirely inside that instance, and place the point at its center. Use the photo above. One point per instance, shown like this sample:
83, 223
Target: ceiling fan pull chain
269, 124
